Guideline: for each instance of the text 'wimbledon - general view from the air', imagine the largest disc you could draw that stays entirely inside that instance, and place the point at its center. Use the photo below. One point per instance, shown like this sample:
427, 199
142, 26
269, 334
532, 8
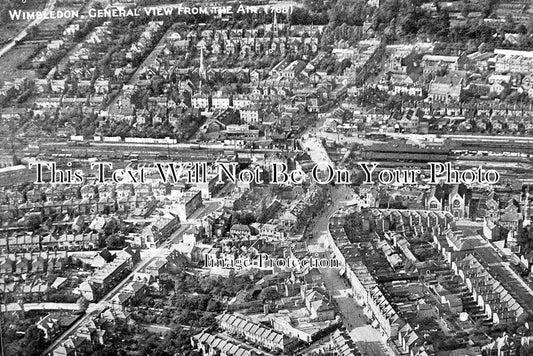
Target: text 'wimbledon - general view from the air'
266, 178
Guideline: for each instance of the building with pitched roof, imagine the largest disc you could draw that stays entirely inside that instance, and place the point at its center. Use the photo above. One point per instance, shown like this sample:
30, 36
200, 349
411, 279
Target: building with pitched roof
223, 345
255, 332
446, 89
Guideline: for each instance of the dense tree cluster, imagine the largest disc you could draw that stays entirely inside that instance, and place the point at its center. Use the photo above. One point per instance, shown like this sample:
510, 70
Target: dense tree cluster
188, 300
186, 127
348, 12
31, 343
228, 287
175, 342
415, 21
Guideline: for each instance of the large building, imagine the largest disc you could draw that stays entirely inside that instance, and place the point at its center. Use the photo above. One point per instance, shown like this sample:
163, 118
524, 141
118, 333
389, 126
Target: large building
510, 61
446, 89
432, 64
187, 204
111, 273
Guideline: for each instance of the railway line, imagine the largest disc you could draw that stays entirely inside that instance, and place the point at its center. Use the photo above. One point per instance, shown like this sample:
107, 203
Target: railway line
122, 151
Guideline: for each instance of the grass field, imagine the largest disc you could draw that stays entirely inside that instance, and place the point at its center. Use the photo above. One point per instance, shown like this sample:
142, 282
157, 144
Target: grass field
9, 29
10, 61
48, 29
54, 24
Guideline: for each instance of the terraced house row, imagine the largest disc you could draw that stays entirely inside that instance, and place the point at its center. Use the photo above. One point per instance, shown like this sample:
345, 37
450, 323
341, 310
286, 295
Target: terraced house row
500, 305
390, 225
255, 333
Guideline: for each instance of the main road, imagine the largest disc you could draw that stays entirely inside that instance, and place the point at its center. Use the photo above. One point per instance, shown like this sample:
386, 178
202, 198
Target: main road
368, 340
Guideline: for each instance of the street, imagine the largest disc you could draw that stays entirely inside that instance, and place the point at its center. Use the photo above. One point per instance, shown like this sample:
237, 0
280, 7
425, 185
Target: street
146, 257
313, 146
12, 307
150, 58
367, 339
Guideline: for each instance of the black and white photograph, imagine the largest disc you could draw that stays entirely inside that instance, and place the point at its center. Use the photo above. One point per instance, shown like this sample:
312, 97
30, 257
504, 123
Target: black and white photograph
266, 178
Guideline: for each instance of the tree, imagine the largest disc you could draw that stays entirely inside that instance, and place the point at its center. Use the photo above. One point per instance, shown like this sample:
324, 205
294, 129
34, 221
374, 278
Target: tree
33, 31
509, 21
33, 222
100, 350
50, 278
214, 305
114, 241
111, 227
82, 303
526, 350
521, 28
34, 343
530, 25
207, 319
486, 8
269, 293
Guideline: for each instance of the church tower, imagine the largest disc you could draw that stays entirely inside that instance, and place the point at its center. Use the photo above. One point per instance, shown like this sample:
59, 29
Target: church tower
202, 71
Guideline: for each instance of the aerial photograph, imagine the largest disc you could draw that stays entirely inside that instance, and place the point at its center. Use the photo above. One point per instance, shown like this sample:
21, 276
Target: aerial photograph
266, 177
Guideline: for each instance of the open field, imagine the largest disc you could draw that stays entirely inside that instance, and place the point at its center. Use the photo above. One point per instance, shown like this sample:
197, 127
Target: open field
59, 24
8, 28
10, 61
